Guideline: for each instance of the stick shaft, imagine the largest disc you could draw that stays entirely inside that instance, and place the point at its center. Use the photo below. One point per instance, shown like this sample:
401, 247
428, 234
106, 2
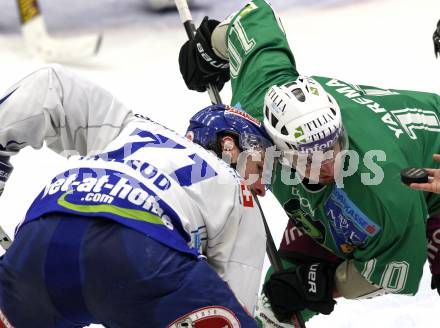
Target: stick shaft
186, 19
275, 260
271, 249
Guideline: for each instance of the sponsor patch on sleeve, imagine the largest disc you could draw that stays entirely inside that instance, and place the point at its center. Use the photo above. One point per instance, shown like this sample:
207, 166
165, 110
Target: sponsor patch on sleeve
350, 227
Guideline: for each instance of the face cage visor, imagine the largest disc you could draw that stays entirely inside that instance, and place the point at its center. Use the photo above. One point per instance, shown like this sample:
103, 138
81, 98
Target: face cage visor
248, 141
290, 157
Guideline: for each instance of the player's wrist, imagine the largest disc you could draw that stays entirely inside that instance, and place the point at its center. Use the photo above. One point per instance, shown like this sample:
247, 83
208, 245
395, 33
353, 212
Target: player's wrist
208, 59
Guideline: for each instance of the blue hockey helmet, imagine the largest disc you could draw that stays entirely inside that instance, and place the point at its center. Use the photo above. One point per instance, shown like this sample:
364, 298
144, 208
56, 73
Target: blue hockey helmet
212, 122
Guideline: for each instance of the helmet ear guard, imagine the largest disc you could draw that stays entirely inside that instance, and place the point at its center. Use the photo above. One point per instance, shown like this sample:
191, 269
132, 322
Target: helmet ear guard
301, 116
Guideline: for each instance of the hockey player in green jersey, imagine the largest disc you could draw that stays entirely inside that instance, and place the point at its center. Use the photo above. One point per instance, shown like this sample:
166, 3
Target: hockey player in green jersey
354, 230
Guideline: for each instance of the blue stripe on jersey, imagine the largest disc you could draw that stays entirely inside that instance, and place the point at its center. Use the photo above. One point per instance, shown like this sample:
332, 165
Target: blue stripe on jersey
7, 96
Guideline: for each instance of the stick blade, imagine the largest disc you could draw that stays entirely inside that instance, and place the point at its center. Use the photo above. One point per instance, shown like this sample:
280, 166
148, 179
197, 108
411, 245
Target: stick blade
70, 49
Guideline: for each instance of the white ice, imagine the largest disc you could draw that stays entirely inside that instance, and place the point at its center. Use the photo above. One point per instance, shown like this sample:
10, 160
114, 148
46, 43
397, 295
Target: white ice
382, 43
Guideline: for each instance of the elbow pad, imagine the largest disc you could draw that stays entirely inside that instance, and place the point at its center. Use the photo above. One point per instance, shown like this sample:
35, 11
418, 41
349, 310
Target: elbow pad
352, 285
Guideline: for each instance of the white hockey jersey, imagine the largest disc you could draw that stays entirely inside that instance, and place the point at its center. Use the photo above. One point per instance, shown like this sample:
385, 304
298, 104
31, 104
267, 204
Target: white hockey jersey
137, 172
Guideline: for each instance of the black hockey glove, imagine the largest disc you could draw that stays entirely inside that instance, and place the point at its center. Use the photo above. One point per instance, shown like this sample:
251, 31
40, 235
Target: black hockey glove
5, 171
199, 64
308, 286
435, 282
436, 39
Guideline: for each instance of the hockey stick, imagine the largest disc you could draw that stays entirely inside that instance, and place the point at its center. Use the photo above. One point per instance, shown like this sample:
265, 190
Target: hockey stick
214, 95
271, 249
275, 260
186, 19
41, 44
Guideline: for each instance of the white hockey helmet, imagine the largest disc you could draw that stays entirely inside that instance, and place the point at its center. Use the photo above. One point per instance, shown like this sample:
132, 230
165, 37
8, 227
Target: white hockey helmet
300, 116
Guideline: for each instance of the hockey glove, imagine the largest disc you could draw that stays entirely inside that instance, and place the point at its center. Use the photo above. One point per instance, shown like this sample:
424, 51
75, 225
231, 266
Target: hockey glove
199, 64
308, 286
5, 170
436, 39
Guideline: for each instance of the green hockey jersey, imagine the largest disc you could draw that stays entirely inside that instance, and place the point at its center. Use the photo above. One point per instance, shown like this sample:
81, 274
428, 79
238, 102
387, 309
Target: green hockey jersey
369, 216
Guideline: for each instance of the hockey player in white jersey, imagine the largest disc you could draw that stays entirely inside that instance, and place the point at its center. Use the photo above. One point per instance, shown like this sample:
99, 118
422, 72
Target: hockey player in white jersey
228, 131
143, 229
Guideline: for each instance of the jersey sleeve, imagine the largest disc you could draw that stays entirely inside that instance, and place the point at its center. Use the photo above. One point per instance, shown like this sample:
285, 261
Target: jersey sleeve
54, 106
236, 242
259, 56
394, 259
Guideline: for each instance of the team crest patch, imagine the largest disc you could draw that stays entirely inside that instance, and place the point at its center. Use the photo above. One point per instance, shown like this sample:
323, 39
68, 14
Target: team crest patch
208, 317
4, 322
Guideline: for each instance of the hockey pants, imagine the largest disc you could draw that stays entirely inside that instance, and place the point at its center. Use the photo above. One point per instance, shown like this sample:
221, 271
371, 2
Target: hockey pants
67, 271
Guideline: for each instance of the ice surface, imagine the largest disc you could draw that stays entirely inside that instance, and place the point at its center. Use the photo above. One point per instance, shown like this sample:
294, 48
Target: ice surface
383, 43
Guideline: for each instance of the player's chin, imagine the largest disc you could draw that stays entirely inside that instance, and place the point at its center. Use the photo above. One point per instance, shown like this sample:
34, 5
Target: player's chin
326, 180
321, 180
